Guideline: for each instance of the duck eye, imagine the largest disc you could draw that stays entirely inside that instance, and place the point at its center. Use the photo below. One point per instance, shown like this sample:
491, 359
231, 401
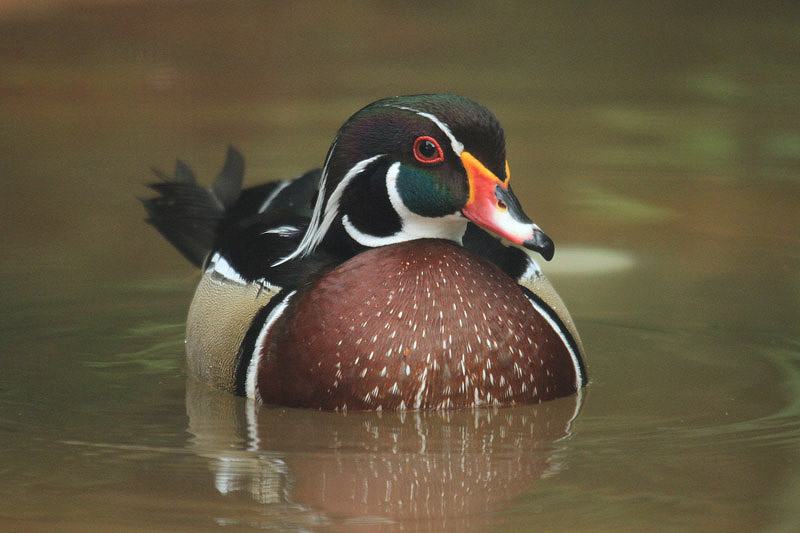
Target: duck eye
427, 150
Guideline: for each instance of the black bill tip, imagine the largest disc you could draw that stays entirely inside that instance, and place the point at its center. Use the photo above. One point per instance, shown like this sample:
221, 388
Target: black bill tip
541, 243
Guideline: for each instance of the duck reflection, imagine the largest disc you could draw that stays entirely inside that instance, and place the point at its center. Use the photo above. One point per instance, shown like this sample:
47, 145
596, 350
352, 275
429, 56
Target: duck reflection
396, 466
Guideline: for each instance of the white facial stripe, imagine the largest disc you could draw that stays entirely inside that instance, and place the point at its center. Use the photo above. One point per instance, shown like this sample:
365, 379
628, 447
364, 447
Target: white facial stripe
413, 226
454, 143
317, 229
545, 313
252, 368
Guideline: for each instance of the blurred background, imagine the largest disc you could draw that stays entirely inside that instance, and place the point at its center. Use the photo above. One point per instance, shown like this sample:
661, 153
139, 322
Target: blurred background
657, 143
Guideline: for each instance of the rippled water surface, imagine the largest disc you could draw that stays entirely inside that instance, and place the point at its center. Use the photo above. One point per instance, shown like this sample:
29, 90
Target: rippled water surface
658, 146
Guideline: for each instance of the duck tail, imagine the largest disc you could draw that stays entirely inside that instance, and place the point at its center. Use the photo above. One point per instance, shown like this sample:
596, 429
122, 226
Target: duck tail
191, 216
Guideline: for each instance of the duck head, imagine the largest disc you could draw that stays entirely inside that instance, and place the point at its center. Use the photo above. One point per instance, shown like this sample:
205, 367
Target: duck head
414, 167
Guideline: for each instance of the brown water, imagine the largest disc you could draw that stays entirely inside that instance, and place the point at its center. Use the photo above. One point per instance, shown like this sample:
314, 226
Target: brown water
658, 146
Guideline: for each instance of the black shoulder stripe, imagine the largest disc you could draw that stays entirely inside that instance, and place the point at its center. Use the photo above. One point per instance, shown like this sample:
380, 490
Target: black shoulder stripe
562, 329
248, 346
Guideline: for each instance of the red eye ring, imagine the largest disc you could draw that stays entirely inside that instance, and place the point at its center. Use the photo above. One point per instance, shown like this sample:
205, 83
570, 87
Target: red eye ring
427, 150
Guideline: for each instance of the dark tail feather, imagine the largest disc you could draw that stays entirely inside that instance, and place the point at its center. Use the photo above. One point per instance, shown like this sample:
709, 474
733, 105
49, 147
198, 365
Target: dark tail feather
228, 185
189, 216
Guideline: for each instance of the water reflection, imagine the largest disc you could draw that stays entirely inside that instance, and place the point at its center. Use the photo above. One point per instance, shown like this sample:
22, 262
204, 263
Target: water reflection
370, 468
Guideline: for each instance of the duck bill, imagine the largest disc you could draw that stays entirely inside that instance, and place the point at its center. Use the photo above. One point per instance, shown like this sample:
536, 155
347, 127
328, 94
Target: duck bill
493, 206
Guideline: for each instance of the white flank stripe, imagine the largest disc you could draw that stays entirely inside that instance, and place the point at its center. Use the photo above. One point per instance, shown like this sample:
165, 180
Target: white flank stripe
252, 369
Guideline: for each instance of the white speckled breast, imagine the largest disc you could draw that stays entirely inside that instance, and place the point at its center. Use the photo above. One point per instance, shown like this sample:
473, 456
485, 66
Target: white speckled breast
423, 324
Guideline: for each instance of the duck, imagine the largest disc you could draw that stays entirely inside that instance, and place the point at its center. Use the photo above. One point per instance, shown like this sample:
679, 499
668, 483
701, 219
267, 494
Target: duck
402, 275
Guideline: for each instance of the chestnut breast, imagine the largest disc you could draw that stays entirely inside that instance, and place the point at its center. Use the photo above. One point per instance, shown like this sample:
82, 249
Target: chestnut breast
423, 324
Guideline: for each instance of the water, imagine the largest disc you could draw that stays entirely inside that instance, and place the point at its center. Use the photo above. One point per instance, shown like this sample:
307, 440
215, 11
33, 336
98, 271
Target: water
659, 146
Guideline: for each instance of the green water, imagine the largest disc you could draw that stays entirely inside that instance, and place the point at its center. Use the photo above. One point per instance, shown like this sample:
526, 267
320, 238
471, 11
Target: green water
658, 145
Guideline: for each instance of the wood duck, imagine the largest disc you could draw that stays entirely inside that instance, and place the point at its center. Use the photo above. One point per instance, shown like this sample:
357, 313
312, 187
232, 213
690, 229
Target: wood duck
399, 276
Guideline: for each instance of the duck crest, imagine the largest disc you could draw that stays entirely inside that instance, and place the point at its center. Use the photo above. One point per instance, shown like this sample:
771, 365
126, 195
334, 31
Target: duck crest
399, 276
